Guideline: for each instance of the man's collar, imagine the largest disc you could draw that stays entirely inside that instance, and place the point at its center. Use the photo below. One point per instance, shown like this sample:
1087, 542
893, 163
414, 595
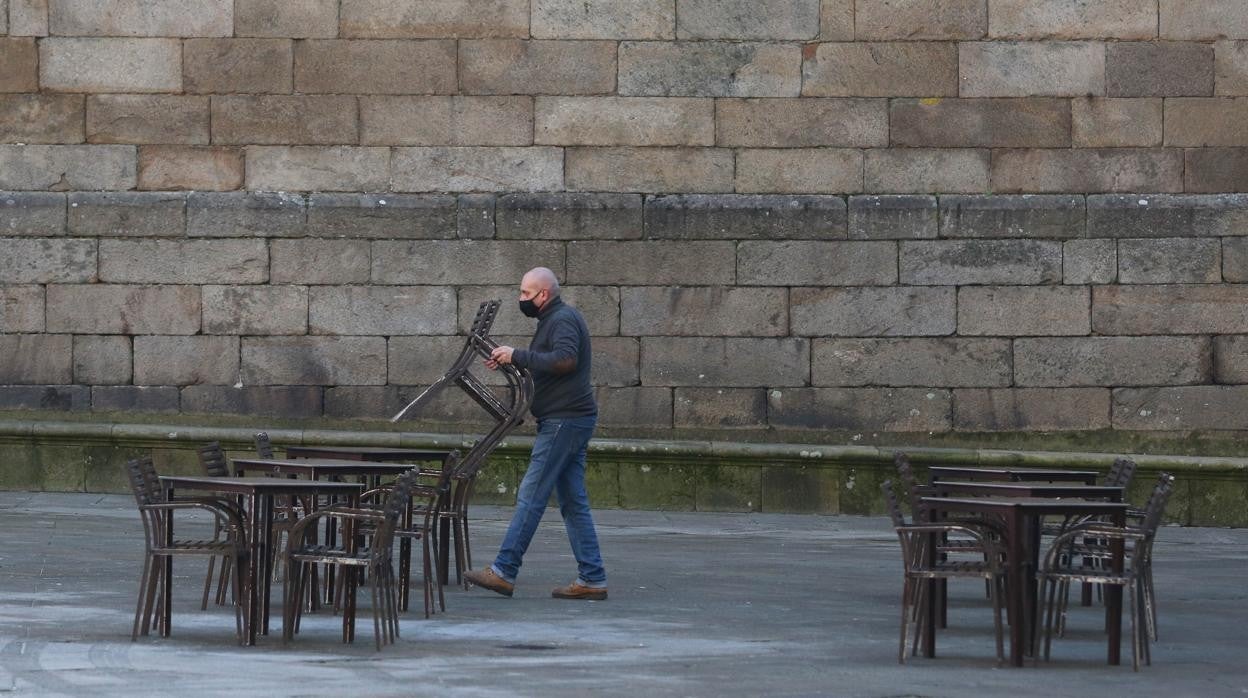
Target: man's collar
554, 302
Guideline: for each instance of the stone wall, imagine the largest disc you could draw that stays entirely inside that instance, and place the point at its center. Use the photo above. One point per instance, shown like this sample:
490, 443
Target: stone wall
819, 216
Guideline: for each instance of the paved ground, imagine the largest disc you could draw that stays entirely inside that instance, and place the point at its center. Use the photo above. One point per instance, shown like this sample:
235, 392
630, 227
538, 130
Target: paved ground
701, 605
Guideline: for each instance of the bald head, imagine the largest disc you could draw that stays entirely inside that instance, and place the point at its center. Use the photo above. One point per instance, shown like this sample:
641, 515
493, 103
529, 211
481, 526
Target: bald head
540, 279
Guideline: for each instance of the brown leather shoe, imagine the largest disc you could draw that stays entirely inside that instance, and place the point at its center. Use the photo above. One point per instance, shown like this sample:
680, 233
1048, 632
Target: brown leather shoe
487, 579
577, 591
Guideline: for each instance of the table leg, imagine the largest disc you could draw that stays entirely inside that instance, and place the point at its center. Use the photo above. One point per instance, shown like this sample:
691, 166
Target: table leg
1113, 596
166, 579
1017, 580
444, 550
254, 565
266, 564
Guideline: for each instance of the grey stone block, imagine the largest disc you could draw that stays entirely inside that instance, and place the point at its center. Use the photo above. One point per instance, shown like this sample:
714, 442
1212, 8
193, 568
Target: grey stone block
1031, 409
184, 261
1031, 68
1230, 359
258, 310
446, 120
319, 261
961, 262
1098, 122
1035, 122
1178, 309
793, 20
33, 359
284, 119
735, 362
1112, 361
381, 310
1158, 69
817, 263
603, 19
102, 360
123, 309
569, 216
709, 69
48, 260
477, 169
202, 168
244, 214
40, 214
1213, 170
1163, 215
939, 362
113, 65
310, 168
338, 66
1204, 121
653, 263
238, 65
650, 170
38, 118
873, 312
400, 19
314, 361
1169, 261
450, 407
21, 309
462, 261
836, 20
1026, 216
1089, 261
599, 305
799, 170
893, 69
62, 398
1235, 260
186, 360
1072, 19
423, 360
1183, 408
1211, 19
67, 167
392, 216
704, 311
512, 66
720, 408
474, 218
801, 122
127, 18
926, 171
735, 216
616, 361
1087, 170
860, 409
921, 19
134, 398
892, 217
143, 119
629, 121
637, 407
258, 401
127, 214
1015, 311
28, 17
1230, 68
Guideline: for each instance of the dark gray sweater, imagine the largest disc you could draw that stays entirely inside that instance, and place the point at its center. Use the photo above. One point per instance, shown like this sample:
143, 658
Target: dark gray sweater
559, 358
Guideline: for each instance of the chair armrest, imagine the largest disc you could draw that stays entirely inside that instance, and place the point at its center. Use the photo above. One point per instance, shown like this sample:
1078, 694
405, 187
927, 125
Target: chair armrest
224, 514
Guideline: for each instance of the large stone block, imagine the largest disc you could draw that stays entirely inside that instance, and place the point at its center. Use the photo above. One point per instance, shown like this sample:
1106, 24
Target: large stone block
186, 360
505, 66
1015, 311
909, 20
445, 120
123, 309
319, 261
1211, 170
1028, 68
788, 123
836, 20
1027, 216
67, 167
709, 69
1230, 68
1202, 20
652, 263
921, 362
1195, 121
244, 214
926, 171
299, 19
624, 121
375, 67
381, 310
603, 19
314, 361
19, 64
75, 64
892, 217
142, 17
260, 401
1031, 409
961, 262
382, 216
737, 217
1158, 69
309, 168
637, 407
400, 19
238, 65
817, 263
62, 398
21, 309
799, 170
900, 69
1169, 261
860, 409
436, 262
184, 261
1197, 309
35, 214
720, 408
33, 359
1036, 122
1088, 170
1235, 260
1089, 261
659, 170
1161, 216
1072, 19
422, 360
102, 360
569, 216
134, 398
474, 216
284, 119
477, 169
1230, 359
872, 312
616, 361
1197, 407
381, 402
202, 168
255, 310
600, 306
40, 118
28, 17
735, 362
1097, 122
1112, 361
789, 20
147, 119
127, 214
704, 311
48, 260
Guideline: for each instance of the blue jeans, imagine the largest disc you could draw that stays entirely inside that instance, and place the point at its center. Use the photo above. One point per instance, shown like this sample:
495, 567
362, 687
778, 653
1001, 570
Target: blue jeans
558, 465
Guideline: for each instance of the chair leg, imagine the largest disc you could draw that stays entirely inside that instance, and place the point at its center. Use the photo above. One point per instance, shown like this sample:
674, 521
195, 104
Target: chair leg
236, 584
212, 560
905, 620
374, 588
1135, 628
140, 608
996, 619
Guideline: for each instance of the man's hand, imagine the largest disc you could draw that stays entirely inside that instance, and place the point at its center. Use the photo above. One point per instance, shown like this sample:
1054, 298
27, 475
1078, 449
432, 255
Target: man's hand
498, 357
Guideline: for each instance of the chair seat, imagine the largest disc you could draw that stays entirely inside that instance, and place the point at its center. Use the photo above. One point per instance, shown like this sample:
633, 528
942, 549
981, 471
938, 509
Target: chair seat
206, 547
954, 568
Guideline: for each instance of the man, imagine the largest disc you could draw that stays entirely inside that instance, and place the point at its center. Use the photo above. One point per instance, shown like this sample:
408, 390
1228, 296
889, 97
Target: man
563, 403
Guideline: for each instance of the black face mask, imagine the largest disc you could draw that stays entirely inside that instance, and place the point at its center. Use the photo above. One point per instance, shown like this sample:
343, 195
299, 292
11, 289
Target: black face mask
529, 308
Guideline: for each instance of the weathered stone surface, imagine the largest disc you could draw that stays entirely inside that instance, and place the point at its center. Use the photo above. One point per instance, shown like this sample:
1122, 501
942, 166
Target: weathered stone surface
720, 408
1158, 69
28, 17
1089, 261
569, 216
1027, 216
375, 67
892, 217
127, 214
238, 65
134, 398
505, 66
1088, 170
1112, 361
308, 168
1181, 408
142, 17
616, 362
1160, 216
799, 171
860, 409
787, 123
1211, 170
40, 118
666, 170
603, 19
259, 401
705, 311
102, 360
1097, 122
381, 310
319, 261
184, 261
1031, 409
19, 65
48, 260
67, 167
636, 406
960, 262
62, 398
1169, 261
600, 305
147, 119
381, 216
382, 402
462, 261
299, 19
477, 169
624, 121
255, 310
422, 360
1024, 310
399, 19
1230, 68
790, 20
1072, 19
1035, 122
725, 362
475, 216
872, 312
21, 309
446, 120
1027, 68
123, 309
836, 20
1235, 260
186, 360
32, 359
1230, 359
736, 217
73, 64
1206, 19
202, 168
1195, 121
244, 214
709, 69
926, 171
40, 214
817, 263
283, 119
901, 69
1198, 309
314, 361
920, 19
943, 362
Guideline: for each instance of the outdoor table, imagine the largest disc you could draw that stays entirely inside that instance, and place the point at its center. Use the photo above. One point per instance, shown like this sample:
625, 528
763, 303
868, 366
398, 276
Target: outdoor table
1048, 490
381, 454
959, 472
259, 493
1022, 517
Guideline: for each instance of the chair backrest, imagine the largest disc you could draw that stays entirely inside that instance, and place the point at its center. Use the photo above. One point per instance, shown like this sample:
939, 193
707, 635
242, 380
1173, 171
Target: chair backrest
264, 447
1156, 507
145, 485
892, 504
1120, 473
392, 511
909, 485
212, 460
